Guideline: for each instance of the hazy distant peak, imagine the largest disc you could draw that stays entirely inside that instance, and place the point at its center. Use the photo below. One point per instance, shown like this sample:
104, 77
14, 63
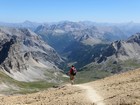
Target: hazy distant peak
134, 38
27, 21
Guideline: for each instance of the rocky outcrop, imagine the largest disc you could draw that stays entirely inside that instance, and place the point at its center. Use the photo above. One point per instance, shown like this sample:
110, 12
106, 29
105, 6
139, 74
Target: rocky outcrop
24, 56
123, 50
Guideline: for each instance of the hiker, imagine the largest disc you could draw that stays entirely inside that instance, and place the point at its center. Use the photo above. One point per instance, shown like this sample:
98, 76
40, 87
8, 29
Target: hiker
72, 73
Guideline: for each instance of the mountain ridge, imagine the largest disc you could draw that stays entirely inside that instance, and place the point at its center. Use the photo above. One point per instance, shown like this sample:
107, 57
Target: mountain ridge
75, 43
25, 46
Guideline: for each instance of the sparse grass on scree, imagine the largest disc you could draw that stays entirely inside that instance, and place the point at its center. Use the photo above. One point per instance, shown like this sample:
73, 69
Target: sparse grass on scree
90, 75
86, 74
23, 87
98, 71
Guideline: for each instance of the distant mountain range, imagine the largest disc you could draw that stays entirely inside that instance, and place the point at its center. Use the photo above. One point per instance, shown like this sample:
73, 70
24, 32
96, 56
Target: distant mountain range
117, 57
62, 35
124, 50
30, 51
83, 43
25, 24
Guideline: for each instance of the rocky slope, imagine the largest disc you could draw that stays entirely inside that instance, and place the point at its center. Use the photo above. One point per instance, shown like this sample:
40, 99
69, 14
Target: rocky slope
122, 89
123, 50
25, 57
117, 57
116, 54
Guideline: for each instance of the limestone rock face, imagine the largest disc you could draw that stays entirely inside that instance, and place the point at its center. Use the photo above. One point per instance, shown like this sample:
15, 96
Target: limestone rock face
24, 56
123, 50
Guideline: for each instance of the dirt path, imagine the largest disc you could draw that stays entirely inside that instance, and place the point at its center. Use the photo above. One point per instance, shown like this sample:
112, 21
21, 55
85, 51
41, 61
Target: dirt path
83, 94
122, 89
63, 95
92, 94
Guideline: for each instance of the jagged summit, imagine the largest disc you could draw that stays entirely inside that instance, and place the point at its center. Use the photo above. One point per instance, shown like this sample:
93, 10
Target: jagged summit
134, 38
124, 49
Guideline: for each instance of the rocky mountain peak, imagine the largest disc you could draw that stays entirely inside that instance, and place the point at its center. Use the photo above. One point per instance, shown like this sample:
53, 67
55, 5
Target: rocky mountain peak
23, 54
84, 37
28, 32
134, 38
124, 49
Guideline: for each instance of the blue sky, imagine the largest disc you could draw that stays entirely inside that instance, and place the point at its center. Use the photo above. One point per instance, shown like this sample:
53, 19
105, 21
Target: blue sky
115, 11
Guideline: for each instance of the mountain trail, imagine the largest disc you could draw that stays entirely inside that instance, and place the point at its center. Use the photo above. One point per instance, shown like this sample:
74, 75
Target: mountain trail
92, 94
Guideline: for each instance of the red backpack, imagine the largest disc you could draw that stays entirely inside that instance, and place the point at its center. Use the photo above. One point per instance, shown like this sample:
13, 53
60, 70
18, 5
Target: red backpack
73, 71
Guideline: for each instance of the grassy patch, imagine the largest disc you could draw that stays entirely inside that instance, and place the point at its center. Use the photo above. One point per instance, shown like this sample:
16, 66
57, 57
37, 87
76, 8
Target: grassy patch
95, 71
130, 64
19, 87
90, 75
30, 87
